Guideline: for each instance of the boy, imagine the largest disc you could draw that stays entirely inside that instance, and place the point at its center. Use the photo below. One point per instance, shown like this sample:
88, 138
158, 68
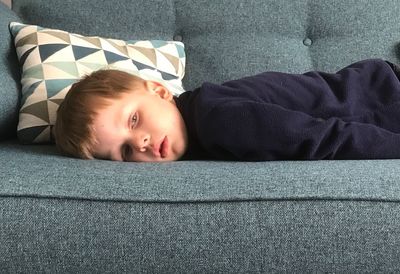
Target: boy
351, 114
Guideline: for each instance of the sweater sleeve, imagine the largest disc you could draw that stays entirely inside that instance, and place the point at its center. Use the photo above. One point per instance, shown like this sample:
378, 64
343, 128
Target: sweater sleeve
255, 131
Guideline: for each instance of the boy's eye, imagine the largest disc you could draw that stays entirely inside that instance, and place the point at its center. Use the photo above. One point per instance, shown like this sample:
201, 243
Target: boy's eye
134, 120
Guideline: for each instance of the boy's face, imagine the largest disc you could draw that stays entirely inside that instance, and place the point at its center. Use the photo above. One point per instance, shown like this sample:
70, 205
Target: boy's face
142, 126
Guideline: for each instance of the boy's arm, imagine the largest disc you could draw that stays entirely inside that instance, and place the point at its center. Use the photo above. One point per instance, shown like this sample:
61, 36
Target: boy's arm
262, 131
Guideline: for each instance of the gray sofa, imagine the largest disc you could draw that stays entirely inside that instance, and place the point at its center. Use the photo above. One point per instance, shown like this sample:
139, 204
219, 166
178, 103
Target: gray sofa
64, 215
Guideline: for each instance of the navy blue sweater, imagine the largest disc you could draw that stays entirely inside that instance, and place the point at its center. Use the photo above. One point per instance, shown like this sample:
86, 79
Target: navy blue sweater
351, 114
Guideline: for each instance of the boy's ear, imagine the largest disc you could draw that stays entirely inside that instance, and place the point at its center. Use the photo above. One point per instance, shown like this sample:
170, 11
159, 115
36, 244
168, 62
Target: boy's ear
159, 89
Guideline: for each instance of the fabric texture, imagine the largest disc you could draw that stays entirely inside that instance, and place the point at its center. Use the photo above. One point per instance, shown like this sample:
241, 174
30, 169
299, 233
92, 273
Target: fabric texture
63, 215
196, 216
303, 236
351, 114
228, 40
191, 181
9, 91
52, 60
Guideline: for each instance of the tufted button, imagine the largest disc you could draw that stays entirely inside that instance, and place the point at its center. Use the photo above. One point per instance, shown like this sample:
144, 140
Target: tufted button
307, 42
178, 38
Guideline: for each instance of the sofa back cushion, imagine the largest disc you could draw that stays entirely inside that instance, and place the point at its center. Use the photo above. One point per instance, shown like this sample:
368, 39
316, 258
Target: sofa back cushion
227, 39
9, 77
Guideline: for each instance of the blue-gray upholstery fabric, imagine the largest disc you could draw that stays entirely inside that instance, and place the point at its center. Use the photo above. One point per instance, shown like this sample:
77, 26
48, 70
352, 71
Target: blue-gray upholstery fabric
288, 236
64, 215
40, 171
9, 77
227, 39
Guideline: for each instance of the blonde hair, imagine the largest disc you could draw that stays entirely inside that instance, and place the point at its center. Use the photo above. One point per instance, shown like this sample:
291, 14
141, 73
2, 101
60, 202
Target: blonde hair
73, 130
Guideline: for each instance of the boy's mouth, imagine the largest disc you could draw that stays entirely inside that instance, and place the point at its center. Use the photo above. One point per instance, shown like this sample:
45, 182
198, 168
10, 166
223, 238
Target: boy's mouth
164, 147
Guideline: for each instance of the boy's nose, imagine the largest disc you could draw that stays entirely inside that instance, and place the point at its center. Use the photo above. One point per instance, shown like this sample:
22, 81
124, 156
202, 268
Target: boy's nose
141, 141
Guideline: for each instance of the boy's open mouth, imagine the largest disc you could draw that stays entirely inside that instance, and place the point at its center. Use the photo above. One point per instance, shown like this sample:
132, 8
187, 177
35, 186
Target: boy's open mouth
164, 147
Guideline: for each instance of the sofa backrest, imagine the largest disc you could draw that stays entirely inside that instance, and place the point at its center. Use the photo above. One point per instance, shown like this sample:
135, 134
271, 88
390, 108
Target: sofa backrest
9, 77
226, 39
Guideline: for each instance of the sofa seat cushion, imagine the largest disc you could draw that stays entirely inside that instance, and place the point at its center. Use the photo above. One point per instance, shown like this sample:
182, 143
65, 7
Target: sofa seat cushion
62, 215
41, 171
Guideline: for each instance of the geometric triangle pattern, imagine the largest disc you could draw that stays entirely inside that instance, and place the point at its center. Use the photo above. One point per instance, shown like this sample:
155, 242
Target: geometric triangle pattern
52, 60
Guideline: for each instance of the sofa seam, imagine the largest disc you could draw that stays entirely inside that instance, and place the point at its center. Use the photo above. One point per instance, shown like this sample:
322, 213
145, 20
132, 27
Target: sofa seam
194, 201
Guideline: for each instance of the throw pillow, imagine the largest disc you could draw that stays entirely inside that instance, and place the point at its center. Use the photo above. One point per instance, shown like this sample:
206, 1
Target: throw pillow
52, 60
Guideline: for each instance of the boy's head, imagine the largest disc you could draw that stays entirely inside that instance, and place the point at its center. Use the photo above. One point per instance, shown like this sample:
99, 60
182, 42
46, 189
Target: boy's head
114, 115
